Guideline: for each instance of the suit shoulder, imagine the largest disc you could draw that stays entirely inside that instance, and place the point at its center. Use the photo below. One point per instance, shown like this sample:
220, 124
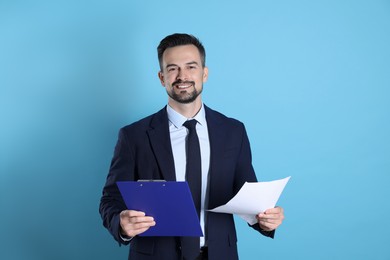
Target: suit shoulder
146, 122
141, 123
223, 118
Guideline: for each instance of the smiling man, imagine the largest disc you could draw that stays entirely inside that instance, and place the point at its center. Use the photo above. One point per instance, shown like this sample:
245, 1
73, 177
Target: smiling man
183, 74
184, 141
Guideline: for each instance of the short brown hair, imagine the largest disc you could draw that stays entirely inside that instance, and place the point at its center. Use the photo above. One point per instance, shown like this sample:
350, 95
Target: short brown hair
179, 39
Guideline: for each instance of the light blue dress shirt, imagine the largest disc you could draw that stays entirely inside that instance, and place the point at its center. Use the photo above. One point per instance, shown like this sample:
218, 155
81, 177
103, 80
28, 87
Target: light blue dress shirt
178, 134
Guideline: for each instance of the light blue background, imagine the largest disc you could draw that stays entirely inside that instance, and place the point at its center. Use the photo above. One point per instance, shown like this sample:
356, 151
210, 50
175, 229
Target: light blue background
310, 79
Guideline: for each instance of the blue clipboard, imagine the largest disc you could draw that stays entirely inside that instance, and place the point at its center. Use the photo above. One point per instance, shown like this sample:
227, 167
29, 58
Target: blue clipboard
169, 203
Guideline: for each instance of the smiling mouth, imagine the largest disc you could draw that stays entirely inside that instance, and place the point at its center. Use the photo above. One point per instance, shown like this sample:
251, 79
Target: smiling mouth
183, 84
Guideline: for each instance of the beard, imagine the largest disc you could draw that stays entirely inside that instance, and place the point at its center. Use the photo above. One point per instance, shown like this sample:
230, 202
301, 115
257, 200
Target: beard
185, 96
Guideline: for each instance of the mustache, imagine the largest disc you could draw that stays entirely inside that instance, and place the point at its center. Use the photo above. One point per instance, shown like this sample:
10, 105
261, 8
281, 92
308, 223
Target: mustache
185, 82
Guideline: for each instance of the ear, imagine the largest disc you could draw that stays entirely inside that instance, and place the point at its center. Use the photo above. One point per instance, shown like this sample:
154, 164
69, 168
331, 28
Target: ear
205, 74
161, 77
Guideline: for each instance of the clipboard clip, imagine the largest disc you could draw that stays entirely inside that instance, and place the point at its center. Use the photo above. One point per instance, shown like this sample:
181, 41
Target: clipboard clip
151, 180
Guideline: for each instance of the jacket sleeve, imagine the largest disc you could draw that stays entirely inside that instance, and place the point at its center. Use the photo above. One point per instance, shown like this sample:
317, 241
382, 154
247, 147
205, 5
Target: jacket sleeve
245, 173
111, 203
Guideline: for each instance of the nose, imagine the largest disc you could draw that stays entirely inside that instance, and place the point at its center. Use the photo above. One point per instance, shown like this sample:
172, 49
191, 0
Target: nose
182, 75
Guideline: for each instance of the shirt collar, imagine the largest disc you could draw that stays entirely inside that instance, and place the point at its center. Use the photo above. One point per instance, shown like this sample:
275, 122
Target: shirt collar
178, 119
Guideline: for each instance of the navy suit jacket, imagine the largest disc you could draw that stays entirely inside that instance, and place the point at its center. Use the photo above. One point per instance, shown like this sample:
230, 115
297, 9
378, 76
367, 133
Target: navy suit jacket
144, 151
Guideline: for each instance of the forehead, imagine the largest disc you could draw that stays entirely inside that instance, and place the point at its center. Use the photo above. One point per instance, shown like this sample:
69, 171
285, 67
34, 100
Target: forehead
181, 55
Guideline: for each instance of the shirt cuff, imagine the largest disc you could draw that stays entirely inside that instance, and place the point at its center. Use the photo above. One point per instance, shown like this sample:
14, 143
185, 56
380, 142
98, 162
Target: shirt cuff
125, 238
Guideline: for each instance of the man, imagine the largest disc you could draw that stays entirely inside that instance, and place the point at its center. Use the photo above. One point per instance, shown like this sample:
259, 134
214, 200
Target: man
155, 148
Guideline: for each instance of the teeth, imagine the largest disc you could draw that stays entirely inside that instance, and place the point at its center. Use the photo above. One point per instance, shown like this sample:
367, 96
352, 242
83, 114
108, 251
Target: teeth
182, 86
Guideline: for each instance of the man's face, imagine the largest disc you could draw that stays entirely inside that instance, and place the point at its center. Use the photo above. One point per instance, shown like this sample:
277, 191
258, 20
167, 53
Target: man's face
182, 73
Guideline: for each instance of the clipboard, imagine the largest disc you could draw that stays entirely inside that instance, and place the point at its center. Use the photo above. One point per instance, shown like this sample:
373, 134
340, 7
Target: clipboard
168, 202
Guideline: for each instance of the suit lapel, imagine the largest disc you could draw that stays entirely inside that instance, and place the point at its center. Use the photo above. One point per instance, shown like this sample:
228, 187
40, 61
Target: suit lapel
216, 137
217, 145
161, 144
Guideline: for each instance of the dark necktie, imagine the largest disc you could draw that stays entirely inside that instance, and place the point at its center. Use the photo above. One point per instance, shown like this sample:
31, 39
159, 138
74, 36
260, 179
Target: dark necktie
193, 165
190, 245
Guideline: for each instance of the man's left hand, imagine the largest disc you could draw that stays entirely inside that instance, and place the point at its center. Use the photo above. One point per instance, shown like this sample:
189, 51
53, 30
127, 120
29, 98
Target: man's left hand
270, 219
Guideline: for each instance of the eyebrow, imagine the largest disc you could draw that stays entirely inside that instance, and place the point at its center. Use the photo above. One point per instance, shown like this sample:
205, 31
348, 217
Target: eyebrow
188, 63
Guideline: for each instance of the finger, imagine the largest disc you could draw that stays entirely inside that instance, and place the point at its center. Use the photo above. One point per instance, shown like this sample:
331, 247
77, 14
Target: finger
267, 226
275, 210
146, 219
271, 221
135, 229
132, 213
140, 225
269, 216
132, 216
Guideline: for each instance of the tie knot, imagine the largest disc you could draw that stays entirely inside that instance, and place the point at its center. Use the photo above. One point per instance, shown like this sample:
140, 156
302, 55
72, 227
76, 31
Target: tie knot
190, 124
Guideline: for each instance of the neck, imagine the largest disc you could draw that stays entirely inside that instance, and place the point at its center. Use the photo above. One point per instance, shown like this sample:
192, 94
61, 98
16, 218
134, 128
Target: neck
187, 110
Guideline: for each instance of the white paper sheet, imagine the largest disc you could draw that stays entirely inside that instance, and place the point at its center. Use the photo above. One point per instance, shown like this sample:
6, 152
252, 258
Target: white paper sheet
254, 198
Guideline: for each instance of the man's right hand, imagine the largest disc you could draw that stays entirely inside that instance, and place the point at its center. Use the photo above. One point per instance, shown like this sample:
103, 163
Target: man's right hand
134, 222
